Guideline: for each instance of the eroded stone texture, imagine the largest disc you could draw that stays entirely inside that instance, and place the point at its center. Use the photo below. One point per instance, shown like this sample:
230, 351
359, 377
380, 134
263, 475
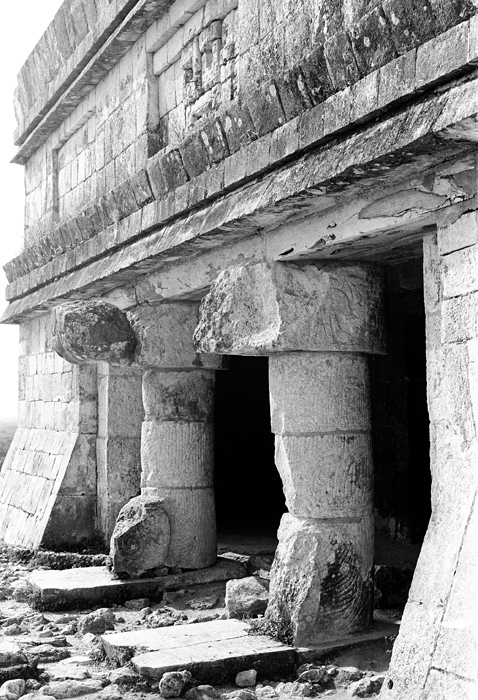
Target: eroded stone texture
268, 308
141, 537
177, 459
321, 583
321, 580
164, 333
91, 331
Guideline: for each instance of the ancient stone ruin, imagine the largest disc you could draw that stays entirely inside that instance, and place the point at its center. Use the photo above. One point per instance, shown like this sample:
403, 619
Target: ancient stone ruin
245, 218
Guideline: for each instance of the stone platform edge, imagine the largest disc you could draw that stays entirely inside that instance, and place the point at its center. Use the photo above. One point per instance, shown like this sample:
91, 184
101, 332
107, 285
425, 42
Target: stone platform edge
92, 586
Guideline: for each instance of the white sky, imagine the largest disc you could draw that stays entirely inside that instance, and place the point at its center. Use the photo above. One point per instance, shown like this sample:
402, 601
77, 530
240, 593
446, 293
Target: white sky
23, 24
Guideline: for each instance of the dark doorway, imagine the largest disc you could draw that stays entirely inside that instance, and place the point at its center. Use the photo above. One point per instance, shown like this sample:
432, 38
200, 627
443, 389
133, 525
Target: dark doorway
400, 434
249, 496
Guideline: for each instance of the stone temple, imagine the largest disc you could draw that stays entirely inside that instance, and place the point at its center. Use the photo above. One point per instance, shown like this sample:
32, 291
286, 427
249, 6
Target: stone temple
246, 219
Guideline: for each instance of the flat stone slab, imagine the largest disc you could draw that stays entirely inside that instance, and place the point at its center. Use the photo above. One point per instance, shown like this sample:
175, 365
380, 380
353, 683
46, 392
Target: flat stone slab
85, 587
211, 651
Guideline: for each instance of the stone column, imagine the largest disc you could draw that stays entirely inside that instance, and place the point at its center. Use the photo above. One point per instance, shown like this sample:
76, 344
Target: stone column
435, 655
177, 443
118, 445
172, 522
316, 323
322, 576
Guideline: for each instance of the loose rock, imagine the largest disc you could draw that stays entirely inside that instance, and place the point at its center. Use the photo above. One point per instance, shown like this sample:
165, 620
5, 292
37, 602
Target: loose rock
247, 596
205, 603
172, 684
111, 692
71, 689
137, 603
366, 687
97, 622
246, 679
12, 690
202, 692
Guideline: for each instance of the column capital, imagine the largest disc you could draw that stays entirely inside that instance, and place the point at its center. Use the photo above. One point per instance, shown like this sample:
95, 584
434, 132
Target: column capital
150, 336
283, 307
87, 332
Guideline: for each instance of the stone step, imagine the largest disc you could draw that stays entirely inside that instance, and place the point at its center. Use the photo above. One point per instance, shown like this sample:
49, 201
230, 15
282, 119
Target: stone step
212, 651
90, 586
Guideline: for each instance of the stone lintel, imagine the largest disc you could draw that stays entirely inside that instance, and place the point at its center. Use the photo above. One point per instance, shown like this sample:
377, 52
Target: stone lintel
275, 307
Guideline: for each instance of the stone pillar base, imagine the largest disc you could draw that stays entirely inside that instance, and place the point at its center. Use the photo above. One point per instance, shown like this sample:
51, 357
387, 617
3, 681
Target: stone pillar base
322, 578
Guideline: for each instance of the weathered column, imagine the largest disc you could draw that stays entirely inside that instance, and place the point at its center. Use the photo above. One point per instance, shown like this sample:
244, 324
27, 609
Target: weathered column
435, 655
177, 443
118, 445
322, 577
172, 522
316, 323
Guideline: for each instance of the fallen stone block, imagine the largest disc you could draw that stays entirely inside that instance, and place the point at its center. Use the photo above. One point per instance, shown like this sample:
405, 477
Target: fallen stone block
246, 597
141, 537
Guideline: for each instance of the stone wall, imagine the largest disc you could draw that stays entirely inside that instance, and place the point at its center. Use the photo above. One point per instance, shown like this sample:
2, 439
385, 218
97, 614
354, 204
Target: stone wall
104, 142
436, 651
48, 479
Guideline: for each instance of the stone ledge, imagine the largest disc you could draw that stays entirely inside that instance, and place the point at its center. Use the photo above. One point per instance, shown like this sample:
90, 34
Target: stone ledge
168, 181
427, 128
84, 587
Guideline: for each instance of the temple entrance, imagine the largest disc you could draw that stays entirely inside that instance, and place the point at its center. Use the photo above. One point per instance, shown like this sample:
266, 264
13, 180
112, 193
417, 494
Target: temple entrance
249, 496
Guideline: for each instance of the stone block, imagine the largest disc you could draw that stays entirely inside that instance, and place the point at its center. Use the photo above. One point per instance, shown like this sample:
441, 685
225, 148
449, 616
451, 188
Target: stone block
177, 455
246, 597
142, 188
410, 24
214, 140
341, 63
326, 476
311, 126
318, 393
317, 78
463, 233
125, 200
396, 79
86, 332
238, 126
156, 176
265, 109
141, 537
165, 335
459, 319
372, 42
172, 168
456, 649
321, 580
267, 308
178, 396
194, 154
294, 93
460, 272
449, 13
442, 56
442, 685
